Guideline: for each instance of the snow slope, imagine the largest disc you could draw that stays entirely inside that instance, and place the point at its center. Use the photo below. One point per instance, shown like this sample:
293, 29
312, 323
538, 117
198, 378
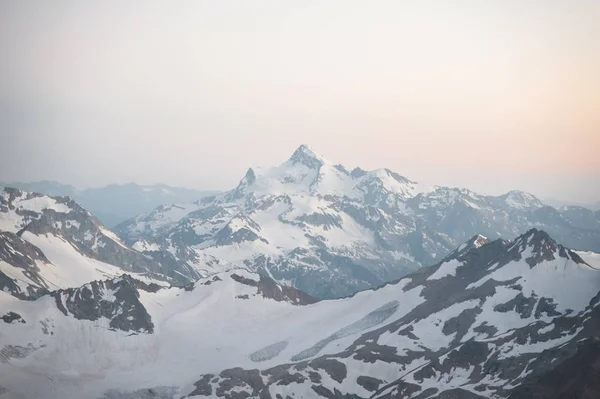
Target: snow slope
235, 331
591, 258
50, 243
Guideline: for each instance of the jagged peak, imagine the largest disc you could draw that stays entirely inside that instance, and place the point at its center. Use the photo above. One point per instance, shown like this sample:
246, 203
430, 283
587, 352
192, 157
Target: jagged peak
477, 241
533, 236
307, 157
115, 299
304, 149
11, 194
42, 209
539, 247
534, 246
358, 172
241, 190
249, 178
125, 280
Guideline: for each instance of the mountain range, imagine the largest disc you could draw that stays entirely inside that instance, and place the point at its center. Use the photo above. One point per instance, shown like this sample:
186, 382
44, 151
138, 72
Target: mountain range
307, 280
493, 319
115, 203
331, 231
48, 243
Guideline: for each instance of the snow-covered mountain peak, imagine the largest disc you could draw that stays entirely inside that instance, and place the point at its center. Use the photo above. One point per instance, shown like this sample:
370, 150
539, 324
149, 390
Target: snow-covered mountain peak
307, 173
42, 214
244, 186
299, 175
13, 199
22, 211
535, 237
309, 218
116, 301
533, 247
307, 157
537, 246
521, 200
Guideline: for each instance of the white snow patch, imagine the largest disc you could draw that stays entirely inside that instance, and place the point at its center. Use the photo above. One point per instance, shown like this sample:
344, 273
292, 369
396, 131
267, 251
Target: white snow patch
445, 269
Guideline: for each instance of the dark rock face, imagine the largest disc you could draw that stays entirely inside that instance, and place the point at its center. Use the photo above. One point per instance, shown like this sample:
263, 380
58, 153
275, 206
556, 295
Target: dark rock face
368, 383
320, 219
270, 289
240, 383
10, 285
146, 393
7, 284
563, 371
520, 304
12, 317
459, 325
203, 387
335, 368
244, 280
148, 287
458, 393
179, 273
115, 300
19, 253
577, 377
358, 172
239, 377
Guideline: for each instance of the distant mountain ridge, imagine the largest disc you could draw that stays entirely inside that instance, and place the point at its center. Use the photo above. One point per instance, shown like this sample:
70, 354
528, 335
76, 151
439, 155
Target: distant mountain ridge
331, 231
49, 243
115, 203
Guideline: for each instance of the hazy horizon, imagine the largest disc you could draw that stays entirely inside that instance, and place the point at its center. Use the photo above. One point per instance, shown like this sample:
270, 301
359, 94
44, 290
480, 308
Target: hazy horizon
547, 199
484, 95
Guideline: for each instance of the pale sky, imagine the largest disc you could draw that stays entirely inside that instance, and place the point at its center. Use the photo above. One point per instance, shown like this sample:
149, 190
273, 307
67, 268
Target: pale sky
488, 95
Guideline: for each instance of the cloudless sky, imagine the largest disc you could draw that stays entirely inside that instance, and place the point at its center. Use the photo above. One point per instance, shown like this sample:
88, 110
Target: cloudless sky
489, 95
